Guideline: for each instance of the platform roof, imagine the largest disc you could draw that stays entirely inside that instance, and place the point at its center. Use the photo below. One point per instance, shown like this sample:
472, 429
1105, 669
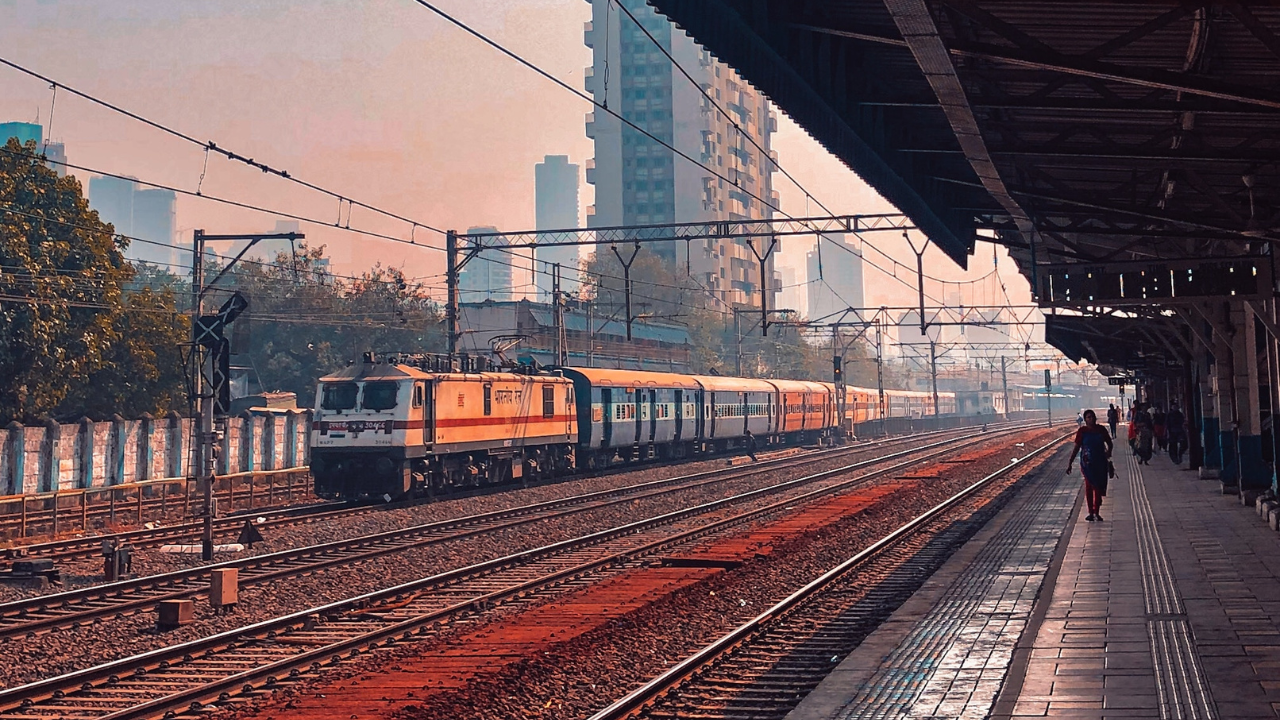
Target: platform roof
1074, 131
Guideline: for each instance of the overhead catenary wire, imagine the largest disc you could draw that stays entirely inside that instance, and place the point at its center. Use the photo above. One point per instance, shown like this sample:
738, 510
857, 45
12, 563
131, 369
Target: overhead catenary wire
210, 146
547, 75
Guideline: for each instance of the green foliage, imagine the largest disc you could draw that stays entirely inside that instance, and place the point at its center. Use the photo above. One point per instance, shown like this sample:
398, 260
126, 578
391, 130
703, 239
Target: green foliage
61, 278
303, 323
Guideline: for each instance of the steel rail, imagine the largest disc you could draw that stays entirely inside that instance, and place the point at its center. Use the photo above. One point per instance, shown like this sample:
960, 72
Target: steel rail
39, 614
166, 661
688, 668
88, 546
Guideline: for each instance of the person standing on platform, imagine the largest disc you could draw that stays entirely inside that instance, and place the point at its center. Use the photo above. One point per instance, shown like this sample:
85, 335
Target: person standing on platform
1175, 426
1146, 434
751, 447
1158, 427
1093, 445
1113, 418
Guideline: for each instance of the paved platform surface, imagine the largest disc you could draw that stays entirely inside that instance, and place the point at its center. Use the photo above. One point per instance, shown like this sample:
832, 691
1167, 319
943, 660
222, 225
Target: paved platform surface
1169, 608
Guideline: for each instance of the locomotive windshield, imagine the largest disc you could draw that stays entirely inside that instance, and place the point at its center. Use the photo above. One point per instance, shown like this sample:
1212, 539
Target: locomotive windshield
380, 395
339, 396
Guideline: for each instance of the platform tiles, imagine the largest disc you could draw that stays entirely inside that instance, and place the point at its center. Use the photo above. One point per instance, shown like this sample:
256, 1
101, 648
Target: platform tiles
946, 652
1170, 608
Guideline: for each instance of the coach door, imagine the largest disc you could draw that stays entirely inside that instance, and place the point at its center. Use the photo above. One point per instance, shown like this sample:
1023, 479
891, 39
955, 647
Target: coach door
606, 401
711, 415
679, 395
420, 408
746, 412
653, 414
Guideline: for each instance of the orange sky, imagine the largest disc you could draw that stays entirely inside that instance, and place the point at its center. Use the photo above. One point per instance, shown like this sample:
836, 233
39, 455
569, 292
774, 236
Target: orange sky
379, 100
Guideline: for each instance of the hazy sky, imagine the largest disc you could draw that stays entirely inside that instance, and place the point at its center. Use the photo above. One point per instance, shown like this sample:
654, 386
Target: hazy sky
380, 100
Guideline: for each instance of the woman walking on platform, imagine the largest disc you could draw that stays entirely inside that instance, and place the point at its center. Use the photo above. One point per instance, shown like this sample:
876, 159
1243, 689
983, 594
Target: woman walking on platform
1093, 445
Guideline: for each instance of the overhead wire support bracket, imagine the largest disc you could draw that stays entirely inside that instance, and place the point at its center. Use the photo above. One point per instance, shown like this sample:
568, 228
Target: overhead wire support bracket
626, 280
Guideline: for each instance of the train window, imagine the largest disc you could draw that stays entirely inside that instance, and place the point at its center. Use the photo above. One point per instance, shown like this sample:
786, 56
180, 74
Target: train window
339, 396
417, 395
488, 399
380, 395
548, 401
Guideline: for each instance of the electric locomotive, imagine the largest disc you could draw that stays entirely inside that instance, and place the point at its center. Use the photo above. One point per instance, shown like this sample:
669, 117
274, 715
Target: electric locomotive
404, 424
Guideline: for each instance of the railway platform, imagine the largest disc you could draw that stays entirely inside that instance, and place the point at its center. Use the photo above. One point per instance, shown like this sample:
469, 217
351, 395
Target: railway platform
1169, 608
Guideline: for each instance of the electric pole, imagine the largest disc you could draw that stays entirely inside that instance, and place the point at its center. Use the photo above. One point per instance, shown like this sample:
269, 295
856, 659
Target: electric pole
559, 315
209, 344
451, 281
204, 409
880, 366
1004, 383
933, 370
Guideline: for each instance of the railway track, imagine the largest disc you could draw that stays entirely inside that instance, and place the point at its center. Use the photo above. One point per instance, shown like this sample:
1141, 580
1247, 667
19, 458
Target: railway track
74, 608
227, 528
236, 665
764, 667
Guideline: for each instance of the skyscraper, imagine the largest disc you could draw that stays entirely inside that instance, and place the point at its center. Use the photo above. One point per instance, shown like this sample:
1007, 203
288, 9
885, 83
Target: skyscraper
145, 214
487, 276
556, 197
835, 277
33, 132
24, 132
639, 181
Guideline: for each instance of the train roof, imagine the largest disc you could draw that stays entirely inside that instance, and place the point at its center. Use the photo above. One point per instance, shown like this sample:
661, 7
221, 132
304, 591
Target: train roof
794, 386
718, 383
392, 371
606, 377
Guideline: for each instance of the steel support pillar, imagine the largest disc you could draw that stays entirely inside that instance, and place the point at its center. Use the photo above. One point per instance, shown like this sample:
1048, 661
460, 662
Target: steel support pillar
1252, 470
1210, 427
1224, 376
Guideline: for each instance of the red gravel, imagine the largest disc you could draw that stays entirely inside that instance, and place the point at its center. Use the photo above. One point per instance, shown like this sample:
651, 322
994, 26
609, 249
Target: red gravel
570, 657
68, 650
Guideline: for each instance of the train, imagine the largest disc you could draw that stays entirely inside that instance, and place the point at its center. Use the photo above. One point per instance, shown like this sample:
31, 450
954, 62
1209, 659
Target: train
406, 424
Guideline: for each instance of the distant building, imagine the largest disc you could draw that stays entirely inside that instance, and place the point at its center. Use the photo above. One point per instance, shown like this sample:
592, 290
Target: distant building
835, 277
56, 152
792, 295
33, 132
145, 214
487, 276
24, 132
591, 339
638, 181
556, 197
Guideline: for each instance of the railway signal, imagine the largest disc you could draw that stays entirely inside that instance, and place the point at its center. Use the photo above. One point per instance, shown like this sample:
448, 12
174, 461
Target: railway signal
210, 345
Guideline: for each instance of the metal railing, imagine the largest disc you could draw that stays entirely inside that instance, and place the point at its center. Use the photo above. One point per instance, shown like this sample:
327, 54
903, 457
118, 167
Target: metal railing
82, 509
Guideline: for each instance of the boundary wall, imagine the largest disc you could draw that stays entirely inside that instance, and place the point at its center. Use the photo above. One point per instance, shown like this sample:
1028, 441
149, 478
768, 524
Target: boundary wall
55, 457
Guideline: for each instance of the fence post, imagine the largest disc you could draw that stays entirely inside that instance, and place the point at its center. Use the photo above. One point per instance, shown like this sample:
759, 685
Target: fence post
85, 438
50, 477
246, 443
291, 438
146, 453
174, 445
269, 441
17, 449
119, 442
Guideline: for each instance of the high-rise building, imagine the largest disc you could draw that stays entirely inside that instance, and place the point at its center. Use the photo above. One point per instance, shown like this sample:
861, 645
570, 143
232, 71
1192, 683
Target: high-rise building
56, 152
835, 277
487, 276
145, 214
639, 181
556, 197
24, 132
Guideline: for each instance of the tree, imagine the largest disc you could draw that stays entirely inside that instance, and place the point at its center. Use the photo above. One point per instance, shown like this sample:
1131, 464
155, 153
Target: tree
303, 323
72, 342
